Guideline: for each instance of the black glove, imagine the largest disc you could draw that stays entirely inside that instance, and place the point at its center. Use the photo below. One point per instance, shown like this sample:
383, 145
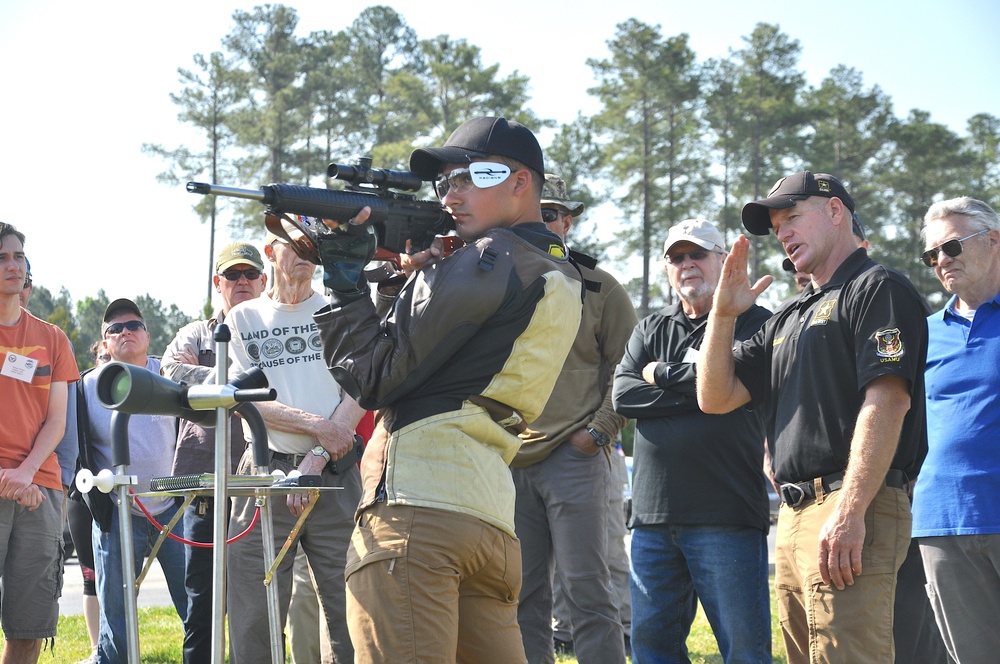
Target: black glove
344, 254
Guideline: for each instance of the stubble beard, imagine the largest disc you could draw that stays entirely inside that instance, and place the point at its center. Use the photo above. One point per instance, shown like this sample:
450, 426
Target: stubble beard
696, 293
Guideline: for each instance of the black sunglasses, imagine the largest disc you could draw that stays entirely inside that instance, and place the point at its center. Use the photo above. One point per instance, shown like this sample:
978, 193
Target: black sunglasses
952, 248
677, 259
551, 214
131, 325
234, 275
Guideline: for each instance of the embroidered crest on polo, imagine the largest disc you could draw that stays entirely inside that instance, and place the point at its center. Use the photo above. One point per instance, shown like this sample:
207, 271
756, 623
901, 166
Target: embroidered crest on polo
823, 313
486, 174
889, 343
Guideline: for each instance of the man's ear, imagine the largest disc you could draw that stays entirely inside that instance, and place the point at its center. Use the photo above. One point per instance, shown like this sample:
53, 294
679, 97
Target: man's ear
567, 224
838, 211
522, 181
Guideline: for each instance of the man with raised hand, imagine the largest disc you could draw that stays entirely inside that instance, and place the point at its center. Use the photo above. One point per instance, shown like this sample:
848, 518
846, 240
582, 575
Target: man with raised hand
838, 374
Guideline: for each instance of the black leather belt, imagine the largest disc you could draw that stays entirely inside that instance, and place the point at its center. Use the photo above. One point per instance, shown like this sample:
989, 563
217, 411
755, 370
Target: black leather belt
294, 459
797, 494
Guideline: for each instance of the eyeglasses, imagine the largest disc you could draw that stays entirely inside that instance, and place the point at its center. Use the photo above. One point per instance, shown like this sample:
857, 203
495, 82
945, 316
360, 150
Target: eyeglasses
483, 174
677, 259
131, 325
27, 284
234, 275
551, 214
952, 248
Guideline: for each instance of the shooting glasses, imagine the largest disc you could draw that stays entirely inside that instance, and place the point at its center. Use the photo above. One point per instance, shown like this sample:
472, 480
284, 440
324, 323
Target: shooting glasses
483, 174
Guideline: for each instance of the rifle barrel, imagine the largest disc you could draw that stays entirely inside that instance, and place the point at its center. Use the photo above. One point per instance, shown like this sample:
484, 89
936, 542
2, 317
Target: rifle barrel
206, 189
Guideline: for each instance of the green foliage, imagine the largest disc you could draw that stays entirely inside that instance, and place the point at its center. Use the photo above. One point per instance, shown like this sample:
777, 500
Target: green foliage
89, 317
576, 158
673, 138
928, 163
650, 88
162, 323
850, 126
84, 328
983, 150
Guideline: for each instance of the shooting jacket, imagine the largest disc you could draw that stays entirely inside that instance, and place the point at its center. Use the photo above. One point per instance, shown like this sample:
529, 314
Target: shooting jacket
485, 330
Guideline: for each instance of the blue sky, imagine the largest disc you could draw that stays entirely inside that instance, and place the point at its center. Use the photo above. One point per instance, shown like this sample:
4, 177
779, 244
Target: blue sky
88, 83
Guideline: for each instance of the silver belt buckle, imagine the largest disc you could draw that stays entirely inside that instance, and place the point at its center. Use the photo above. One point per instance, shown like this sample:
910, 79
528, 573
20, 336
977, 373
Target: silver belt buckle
792, 494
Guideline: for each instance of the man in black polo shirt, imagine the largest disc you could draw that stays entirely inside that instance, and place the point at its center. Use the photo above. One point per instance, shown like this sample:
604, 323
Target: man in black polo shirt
838, 374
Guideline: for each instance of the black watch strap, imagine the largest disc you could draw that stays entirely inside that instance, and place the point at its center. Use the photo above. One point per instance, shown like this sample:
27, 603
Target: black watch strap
600, 439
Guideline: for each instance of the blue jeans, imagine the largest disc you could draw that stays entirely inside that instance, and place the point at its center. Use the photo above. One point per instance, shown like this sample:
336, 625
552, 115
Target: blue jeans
725, 567
112, 642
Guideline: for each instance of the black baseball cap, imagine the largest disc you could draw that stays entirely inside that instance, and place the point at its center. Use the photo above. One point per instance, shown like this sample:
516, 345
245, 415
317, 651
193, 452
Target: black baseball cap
857, 227
120, 306
788, 190
478, 139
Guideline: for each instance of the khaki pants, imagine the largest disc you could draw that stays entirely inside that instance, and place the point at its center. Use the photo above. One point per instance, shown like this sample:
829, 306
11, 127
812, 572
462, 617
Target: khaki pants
429, 585
819, 623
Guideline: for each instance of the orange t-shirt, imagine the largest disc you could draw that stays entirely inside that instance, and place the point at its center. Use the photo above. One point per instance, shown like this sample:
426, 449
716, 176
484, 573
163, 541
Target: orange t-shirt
24, 403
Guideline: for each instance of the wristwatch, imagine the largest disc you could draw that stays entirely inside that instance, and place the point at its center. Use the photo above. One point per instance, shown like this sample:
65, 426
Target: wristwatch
600, 439
320, 451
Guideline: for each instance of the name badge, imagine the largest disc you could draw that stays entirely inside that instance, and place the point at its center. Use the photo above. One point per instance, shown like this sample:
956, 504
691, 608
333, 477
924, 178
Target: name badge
19, 367
692, 355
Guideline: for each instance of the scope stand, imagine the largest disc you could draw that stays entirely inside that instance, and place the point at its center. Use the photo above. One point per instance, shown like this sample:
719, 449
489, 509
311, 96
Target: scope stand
222, 338
119, 450
122, 480
222, 464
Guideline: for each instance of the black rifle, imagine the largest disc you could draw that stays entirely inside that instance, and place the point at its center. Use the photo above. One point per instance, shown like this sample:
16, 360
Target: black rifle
396, 216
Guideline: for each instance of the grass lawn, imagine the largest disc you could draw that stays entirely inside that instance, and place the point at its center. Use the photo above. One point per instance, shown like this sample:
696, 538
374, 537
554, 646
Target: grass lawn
160, 639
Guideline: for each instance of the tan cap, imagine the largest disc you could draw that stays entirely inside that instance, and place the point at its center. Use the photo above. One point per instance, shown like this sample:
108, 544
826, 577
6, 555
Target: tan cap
235, 253
695, 231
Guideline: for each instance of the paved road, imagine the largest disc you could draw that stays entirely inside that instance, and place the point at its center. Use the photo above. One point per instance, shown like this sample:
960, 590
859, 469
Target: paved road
152, 593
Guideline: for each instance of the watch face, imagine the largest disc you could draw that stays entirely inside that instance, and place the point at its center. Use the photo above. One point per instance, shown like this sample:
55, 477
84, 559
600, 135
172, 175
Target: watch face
600, 439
